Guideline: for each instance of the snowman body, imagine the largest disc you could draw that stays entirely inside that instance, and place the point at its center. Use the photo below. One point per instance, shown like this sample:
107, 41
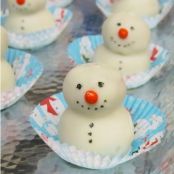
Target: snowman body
7, 75
95, 119
107, 135
140, 7
31, 16
126, 64
126, 44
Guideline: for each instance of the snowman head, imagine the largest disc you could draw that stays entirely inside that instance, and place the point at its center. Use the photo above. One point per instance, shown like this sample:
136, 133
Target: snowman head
95, 89
4, 42
26, 6
143, 8
125, 33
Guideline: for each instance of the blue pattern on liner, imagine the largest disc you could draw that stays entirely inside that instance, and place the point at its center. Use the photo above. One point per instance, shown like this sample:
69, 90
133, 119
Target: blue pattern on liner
142, 112
74, 47
27, 70
61, 97
33, 65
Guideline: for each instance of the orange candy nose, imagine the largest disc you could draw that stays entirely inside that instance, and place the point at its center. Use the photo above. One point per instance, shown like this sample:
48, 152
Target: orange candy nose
123, 33
20, 2
91, 97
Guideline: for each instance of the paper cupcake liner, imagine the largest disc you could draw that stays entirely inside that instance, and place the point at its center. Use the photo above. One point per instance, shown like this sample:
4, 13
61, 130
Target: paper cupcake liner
59, 3
40, 39
166, 5
149, 122
27, 70
82, 50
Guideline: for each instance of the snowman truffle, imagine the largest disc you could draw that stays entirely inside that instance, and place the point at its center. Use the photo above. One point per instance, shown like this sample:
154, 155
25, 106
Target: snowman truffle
126, 44
7, 75
96, 120
142, 8
27, 16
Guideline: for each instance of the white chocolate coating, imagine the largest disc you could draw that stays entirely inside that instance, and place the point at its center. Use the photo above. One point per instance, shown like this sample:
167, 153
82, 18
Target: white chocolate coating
104, 127
127, 65
126, 44
7, 79
140, 7
32, 16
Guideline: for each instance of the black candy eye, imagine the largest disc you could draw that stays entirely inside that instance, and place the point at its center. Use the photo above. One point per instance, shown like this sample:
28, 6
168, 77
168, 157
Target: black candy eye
79, 86
132, 28
100, 84
118, 24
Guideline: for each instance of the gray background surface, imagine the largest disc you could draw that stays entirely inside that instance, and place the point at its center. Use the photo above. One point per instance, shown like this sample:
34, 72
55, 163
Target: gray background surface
23, 152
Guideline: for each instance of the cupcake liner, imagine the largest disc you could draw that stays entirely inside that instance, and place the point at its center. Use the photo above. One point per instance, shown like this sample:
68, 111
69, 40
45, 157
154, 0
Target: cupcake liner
82, 50
166, 5
59, 3
27, 70
40, 39
149, 122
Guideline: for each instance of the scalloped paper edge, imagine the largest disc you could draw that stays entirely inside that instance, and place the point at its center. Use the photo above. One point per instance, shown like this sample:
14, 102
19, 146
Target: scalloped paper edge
11, 97
149, 121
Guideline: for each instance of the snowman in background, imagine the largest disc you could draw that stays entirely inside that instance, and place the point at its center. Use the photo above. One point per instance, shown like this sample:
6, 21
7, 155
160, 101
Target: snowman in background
140, 7
7, 75
96, 119
27, 16
126, 44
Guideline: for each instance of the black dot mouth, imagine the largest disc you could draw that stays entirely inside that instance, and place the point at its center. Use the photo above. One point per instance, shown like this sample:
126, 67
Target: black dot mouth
102, 106
120, 45
21, 8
